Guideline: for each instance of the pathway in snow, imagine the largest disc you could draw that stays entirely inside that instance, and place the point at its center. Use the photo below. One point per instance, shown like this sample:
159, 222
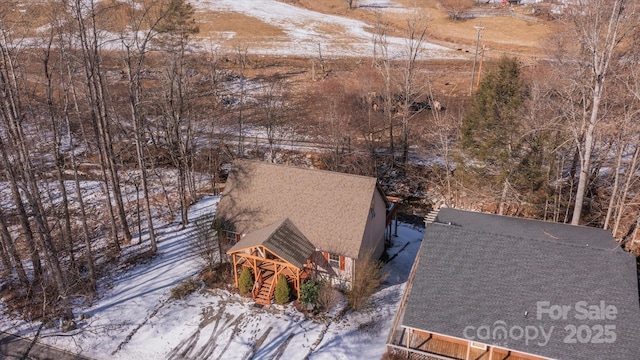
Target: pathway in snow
135, 320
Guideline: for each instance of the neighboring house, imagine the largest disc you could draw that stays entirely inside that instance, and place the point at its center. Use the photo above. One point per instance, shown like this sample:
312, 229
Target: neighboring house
491, 287
267, 210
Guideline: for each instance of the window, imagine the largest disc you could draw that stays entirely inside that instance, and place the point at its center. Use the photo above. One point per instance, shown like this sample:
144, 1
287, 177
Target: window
232, 237
334, 260
372, 211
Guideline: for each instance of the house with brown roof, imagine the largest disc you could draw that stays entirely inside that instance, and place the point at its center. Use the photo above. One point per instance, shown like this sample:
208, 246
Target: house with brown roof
296, 221
490, 287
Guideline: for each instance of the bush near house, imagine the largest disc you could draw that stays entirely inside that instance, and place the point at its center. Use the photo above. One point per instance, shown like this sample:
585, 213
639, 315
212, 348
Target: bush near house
283, 293
185, 288
309, 292
327, 296
220, 275
245, 283
368, 276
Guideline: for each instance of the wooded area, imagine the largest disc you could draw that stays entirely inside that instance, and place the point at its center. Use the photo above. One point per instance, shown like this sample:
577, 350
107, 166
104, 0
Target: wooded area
115, 113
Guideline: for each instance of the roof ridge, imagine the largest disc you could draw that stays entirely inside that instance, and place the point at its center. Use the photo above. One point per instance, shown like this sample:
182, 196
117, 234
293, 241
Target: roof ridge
307, 169
530, 219
280, 224
558, 242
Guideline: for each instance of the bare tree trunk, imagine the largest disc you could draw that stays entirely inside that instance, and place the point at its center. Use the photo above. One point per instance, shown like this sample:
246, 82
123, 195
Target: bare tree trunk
59, 159
175, 107
616, 183
86, 233
503, 196
384, 66
11, 109
91, 61
136, 47
600, 37
585, 159
416, 34
22, 214
9, 103
627, 186
9, 247
4, 259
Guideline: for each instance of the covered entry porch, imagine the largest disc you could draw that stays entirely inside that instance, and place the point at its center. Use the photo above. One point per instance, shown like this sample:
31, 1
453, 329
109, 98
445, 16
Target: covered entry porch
278, 249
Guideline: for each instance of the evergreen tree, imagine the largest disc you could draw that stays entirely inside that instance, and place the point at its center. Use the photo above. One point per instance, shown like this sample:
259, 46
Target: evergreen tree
245, 283
491, 132
282, 290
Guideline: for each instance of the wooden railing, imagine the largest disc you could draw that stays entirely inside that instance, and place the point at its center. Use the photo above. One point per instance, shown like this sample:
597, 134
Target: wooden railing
272, 288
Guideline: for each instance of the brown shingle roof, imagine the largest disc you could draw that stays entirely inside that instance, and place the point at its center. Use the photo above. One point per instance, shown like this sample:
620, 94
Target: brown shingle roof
283, 238
329, 208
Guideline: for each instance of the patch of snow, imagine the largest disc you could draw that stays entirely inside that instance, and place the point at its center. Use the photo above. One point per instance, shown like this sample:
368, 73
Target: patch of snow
134, 318
305, 34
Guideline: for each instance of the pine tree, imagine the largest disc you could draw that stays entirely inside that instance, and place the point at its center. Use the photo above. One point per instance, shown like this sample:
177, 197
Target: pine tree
491, 130
282, 290
245, 283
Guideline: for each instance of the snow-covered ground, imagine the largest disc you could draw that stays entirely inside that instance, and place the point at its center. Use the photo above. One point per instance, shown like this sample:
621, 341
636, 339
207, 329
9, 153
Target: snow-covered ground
134, 318
306, 30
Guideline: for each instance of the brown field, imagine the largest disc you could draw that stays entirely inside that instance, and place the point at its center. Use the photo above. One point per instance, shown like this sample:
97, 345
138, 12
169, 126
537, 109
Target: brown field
246, 28
505, 34
525, 35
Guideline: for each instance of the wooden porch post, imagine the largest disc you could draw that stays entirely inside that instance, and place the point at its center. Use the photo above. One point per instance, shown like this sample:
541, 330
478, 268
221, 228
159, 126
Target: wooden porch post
468, 350
235, 270
297, 283
395, 220
409, 332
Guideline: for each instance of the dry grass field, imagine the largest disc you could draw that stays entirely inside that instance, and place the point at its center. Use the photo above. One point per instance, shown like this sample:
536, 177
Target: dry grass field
241, 28
506, 30
526, 36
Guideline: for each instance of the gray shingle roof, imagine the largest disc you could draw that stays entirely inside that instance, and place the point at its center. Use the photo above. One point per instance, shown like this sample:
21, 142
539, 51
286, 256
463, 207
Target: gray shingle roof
283, 238
329, 208
467, 277
528, 228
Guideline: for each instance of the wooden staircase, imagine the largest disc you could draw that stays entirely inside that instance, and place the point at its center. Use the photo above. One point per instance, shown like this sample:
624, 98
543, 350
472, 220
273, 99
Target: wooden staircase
264, 292
431, 216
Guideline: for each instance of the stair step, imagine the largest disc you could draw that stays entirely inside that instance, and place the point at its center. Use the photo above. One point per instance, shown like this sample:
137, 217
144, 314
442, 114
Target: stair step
431, 216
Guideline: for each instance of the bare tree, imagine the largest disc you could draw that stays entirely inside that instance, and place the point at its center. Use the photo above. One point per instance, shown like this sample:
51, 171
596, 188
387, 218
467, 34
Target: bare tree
457, 8
12, 123
382, 61
599, 26
8, 245
176, 29
145, 23
56, 141
272, 111
85, 16
416, 35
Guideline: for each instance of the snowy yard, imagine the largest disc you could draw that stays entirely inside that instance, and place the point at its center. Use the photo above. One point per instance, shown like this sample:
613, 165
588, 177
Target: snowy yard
135, 319
306, 30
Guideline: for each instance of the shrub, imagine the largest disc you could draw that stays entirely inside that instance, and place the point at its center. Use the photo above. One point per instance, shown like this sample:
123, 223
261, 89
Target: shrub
326, 295
309, 292
204, 240
245, 283
282, 290
367, 278
218, 276
185, 288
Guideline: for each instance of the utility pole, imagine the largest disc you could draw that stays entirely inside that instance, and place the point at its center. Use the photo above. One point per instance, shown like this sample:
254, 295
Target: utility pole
475, 58
484, 48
